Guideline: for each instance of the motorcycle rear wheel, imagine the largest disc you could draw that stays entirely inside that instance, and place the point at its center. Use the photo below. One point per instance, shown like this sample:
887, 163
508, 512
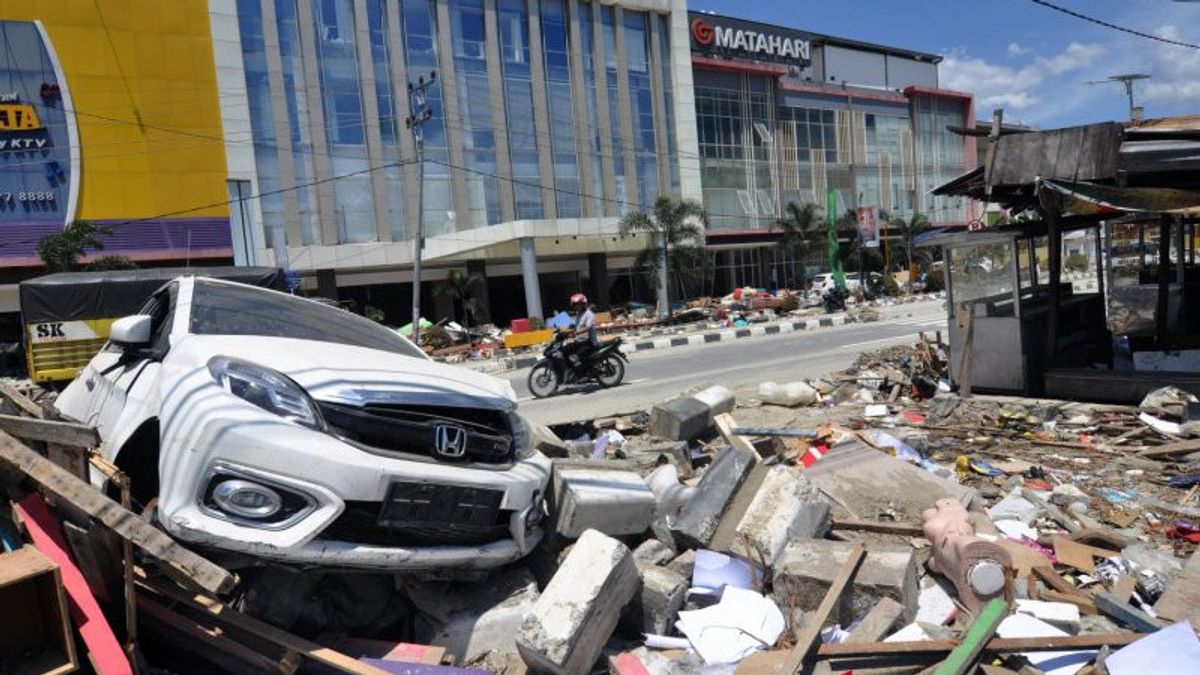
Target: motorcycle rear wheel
610, 371
543, 380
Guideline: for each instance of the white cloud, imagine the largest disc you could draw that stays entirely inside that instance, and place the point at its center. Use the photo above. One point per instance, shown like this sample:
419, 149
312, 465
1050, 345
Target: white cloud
1175, 73
1015, 49
1074, 57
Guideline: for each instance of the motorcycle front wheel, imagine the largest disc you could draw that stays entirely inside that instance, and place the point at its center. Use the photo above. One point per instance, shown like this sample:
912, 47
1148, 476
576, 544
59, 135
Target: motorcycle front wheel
543, 380
610, 371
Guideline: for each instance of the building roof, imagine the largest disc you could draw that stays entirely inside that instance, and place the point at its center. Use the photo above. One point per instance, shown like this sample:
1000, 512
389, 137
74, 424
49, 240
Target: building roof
833, 40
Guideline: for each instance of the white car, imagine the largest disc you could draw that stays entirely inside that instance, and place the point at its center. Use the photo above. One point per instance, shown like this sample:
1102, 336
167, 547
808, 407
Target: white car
281, 428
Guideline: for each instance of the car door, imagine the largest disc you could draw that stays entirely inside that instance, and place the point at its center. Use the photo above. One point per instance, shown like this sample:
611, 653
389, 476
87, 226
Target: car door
111, 375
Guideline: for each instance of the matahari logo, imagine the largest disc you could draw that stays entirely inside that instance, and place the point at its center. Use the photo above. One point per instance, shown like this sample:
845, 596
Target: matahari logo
702, 32
18, 117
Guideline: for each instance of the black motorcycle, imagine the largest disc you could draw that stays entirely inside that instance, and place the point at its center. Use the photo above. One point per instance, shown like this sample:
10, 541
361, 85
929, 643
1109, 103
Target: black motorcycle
834, 300
605, 365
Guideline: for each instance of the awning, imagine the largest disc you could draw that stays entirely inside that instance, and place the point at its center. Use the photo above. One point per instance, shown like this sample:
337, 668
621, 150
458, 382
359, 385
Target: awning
1091, 199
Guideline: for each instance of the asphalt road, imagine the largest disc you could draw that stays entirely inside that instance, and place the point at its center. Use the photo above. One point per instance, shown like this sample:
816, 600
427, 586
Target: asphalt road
659, 374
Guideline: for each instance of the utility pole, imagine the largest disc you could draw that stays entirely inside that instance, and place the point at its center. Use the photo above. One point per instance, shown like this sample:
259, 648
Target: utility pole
421, 113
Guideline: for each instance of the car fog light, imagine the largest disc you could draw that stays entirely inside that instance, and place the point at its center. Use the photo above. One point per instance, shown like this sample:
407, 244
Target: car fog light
246, 499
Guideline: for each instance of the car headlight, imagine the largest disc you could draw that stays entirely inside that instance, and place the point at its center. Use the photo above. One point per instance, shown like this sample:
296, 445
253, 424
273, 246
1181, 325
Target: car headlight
266, 388
522, 436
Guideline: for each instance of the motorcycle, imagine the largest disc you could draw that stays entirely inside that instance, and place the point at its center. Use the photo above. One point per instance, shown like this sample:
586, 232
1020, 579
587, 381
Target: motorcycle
605, 365
835, 300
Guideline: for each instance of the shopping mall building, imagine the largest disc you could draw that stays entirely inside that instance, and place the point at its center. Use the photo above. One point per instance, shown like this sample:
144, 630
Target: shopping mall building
274, 132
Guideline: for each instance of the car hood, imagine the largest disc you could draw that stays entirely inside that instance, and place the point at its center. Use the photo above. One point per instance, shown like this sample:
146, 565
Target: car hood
354, 375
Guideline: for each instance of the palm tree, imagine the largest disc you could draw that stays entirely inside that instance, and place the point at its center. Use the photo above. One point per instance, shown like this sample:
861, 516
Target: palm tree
462, 290
800, 229
672, 224
909, 229
61, 252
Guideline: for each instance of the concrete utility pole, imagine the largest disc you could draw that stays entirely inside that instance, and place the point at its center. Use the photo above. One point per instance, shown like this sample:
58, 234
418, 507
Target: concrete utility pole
421, 113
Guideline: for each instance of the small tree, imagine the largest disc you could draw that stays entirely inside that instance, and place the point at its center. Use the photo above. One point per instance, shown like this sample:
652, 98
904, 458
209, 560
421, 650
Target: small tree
800, 229
909, 229
61, 252
676, 224
462, 290
111, 262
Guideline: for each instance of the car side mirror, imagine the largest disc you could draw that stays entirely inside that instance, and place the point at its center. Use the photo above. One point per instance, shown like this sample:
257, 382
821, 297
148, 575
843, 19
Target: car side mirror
131, 331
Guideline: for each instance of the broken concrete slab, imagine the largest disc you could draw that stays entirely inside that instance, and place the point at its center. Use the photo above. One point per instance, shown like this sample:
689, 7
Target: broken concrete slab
576, 614
806, 568
878, 622
862, 482
653, 552
1061, 615
699, 518
613, 502
785, 507
684, 418
656, 604
474, 619
683, 564
648, 454
547, 442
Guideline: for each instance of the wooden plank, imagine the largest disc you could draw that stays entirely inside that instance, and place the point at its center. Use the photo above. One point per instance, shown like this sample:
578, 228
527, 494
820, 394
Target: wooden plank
998, 645
811, 631
1079, 556
725, 425
1172, 449
1126, 613
1181, 600
903, 529
128, 525
103, 649
21, 400
101, 576
962, 659
224, 614
1056, 581
71, 458
1085, 604
206, 643
1125, 585
50, 431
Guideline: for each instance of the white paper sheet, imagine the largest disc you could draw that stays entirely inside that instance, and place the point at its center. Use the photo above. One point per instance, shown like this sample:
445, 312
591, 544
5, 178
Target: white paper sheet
715, 570
742, 623
1051, 663
1173, 650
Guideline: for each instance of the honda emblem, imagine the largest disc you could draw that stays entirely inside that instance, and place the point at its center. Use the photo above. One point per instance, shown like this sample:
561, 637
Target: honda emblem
450, 440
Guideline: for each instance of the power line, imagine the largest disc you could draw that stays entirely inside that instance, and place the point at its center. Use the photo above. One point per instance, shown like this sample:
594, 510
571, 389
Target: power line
1106, 24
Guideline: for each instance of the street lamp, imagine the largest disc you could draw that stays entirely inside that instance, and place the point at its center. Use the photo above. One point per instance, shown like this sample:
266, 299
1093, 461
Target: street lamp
421, 113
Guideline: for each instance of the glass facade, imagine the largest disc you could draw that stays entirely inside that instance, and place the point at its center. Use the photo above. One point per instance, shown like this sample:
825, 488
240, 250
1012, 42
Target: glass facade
762, 147
333, 55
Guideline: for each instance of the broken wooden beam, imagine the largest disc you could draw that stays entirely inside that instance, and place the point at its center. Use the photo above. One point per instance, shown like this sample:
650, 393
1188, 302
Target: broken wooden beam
50, 431
200, 572
1172, 449
998, 645
21, 400
904, 529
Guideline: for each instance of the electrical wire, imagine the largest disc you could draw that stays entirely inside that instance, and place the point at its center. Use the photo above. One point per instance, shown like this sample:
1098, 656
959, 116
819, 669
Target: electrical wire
1106, 24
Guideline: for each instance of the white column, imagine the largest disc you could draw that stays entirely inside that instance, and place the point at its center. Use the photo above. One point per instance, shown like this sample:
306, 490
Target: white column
529, 274
664, 279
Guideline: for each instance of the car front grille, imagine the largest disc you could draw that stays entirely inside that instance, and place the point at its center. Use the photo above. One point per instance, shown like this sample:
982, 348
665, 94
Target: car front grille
444, 433
422, 514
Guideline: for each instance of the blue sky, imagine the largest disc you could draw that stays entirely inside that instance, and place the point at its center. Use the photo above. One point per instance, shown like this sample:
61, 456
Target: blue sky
1030, 60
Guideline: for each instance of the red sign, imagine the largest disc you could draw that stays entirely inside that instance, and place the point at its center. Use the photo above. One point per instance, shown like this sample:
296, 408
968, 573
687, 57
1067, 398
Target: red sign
702, 31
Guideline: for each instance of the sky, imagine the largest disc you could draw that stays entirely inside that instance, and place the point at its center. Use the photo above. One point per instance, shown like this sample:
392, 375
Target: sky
1028, 59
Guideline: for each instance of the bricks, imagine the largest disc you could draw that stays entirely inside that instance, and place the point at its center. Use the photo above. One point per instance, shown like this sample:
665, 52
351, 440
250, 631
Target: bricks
656, 604
684, 418
700, 517
579, 608
613, 502
806, 568
786, 507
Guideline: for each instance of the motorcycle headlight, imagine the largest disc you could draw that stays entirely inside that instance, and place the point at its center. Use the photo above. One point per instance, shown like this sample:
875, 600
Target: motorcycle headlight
266, 388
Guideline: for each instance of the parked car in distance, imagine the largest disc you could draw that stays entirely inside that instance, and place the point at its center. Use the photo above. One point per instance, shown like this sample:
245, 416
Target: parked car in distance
824, 282
260, 423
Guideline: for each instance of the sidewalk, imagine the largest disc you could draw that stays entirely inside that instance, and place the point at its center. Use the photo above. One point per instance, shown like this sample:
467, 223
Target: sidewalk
665, 340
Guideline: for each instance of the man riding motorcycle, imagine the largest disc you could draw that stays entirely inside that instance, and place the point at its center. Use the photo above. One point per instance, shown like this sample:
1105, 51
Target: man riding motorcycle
583, 340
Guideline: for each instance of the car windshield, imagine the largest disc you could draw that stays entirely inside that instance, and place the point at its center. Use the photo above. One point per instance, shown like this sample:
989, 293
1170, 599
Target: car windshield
235, 309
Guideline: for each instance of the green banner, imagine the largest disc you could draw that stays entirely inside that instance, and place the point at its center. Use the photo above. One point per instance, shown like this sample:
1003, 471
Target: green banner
835, 261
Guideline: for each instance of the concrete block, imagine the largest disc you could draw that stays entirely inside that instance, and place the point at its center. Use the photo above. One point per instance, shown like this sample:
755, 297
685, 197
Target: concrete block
699, 518
473, 619
653, 552
547, 442
612, 502
576, 614
786, 507
806, 568
878, 623
683, 564
655, 606
684, 418
649, 454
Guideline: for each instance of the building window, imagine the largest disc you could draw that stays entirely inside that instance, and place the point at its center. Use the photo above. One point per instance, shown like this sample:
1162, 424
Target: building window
555, 48
479, 144
518, 103
389, 125
262, 126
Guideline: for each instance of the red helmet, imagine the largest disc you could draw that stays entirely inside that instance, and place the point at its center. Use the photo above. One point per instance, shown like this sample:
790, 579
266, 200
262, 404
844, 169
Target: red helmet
579, 299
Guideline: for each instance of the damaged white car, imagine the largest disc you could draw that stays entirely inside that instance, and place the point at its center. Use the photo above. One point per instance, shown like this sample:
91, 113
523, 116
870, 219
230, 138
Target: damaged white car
281, 428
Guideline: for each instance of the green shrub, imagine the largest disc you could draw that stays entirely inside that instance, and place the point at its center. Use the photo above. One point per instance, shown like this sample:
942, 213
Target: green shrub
1076, 262
890, 287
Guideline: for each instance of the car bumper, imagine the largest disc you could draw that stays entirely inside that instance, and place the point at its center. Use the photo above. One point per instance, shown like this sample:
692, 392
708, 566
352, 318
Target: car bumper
231, 436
